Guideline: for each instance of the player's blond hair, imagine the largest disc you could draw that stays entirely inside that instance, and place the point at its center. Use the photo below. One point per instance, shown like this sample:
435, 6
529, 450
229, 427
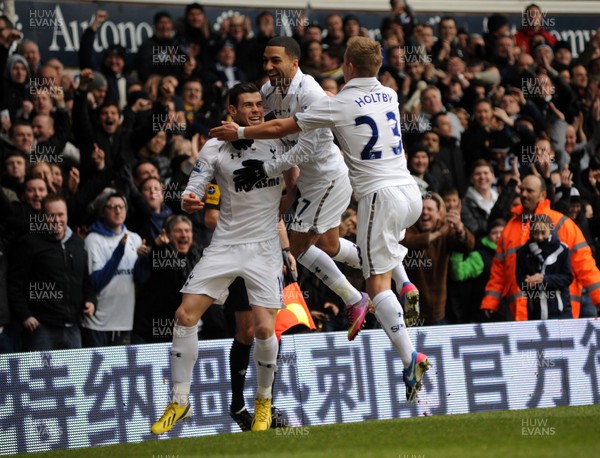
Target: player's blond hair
365, 54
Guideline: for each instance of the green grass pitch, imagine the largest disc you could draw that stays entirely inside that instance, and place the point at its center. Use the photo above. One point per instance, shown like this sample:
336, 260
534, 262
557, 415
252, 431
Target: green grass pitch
556, 432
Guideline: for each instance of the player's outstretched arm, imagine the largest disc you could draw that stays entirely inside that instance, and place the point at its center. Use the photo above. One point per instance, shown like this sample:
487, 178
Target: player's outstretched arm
276, 128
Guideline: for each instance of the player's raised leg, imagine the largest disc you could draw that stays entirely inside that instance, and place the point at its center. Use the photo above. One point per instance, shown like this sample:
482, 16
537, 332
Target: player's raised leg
407, 291
319, 263
184, 354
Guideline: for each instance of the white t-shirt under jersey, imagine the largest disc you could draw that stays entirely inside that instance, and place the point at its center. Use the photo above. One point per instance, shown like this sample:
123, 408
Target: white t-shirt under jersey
244, 217
364, 118
314, 152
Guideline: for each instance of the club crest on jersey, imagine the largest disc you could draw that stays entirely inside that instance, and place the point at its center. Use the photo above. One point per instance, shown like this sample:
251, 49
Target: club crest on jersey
197, 167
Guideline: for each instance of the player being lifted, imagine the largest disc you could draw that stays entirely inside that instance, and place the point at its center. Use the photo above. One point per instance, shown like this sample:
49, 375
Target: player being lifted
245, 244
364, 117
323, 183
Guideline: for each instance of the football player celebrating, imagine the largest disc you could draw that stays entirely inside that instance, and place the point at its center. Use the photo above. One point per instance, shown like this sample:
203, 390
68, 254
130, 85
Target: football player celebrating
245, 244
323, 183
365, 119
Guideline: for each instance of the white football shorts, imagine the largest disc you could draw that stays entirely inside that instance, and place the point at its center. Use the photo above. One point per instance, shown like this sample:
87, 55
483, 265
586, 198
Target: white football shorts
382, 219
320, 207
260, 264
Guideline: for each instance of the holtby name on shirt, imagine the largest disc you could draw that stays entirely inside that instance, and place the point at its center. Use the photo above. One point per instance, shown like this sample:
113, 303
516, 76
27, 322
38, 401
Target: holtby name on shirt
373, 97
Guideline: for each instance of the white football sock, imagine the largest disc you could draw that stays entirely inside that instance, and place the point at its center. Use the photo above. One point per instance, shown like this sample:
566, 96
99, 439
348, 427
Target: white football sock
184, 353
349, 254
265, 359
325, 269
390, 315
399, 276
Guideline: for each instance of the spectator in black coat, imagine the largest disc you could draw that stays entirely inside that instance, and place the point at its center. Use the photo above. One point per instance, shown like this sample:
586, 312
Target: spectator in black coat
49, 287
544, 272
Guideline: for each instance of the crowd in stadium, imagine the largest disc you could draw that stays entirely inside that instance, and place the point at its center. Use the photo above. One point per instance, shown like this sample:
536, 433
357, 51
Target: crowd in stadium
491, 126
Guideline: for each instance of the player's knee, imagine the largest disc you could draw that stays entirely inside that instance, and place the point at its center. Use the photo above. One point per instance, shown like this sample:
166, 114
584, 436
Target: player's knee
263, 331
330, 247
245, 336
183, 317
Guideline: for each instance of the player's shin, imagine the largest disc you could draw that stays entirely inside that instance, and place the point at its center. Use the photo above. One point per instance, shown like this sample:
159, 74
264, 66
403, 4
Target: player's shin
265, 359
184, 353
325, 269
349, 254
239, 357
388, 312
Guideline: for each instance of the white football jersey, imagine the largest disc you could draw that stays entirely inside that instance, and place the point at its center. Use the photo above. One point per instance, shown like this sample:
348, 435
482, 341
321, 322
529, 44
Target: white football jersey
245, 217
314, 152
365, 120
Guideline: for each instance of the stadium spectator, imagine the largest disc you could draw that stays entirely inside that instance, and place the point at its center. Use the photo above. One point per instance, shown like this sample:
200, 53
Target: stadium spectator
480, 199
503, 284
30, 50
113, 62
160, 54
449, 151
533, 23
544, 272
14, 171
49, 287
149, 211
431, 241
15, 85
312, 58
224, 73
471, 272
18, 215
160, 274
335, 30
437, 168
112, 253
431, 104
418, 165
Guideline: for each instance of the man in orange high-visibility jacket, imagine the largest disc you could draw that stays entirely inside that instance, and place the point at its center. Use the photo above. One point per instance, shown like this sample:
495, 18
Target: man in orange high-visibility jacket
503, 281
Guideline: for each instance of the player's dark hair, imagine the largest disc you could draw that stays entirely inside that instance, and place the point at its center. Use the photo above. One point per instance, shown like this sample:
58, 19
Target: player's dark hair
291, 46
241, 88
